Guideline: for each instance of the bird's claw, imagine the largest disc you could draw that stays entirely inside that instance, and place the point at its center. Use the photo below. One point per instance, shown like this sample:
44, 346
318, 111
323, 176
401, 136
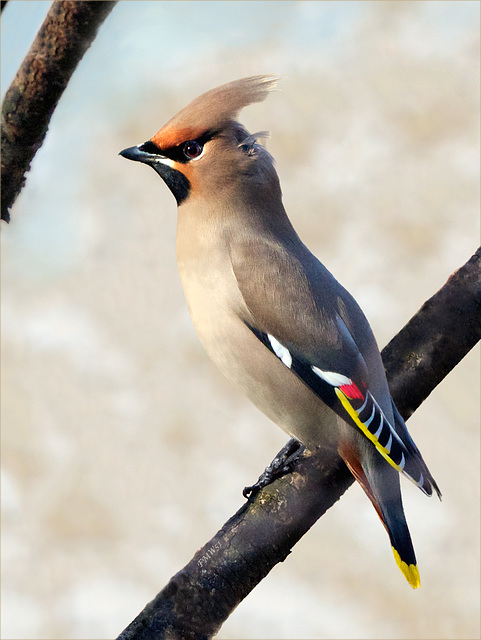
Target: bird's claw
282, 464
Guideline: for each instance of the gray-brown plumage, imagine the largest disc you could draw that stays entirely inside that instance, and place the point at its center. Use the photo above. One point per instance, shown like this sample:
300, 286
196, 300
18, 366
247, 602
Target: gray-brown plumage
269, 314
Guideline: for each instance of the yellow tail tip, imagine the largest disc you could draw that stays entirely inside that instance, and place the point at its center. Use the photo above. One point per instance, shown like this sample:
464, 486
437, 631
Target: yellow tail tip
410, 571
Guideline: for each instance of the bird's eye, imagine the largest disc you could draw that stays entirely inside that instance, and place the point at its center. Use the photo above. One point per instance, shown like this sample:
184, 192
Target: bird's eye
192, 149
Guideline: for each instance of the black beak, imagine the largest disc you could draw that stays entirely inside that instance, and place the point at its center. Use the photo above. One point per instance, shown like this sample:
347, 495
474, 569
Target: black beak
150, 154
132, 153
141, 153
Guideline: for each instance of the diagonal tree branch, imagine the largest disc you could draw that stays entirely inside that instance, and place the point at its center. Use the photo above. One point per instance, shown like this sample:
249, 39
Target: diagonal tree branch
64, 37
447, 326
199, 598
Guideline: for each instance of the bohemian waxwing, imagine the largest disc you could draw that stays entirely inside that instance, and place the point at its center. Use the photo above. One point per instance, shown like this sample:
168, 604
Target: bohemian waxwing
269, 314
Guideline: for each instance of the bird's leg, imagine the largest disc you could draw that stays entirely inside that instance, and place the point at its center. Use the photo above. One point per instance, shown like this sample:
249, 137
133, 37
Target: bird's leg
281, 465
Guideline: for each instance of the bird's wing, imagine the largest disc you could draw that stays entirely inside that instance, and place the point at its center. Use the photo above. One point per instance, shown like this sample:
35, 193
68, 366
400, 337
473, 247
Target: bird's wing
312, 340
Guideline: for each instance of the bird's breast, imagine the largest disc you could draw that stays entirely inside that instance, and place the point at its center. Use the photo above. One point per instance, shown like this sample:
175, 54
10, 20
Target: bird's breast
210, 288
219, 315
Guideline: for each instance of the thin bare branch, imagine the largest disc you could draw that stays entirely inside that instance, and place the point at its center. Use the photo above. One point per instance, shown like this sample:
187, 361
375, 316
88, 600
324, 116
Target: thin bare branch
447, 326
64, 37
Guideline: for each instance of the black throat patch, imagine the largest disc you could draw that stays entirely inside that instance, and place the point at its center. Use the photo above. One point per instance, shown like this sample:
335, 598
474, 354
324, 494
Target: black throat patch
174, 179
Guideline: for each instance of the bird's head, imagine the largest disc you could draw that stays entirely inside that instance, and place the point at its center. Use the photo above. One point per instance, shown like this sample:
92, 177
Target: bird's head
202, 152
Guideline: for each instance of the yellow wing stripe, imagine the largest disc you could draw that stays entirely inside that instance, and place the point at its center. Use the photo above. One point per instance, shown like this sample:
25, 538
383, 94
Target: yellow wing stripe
352, 412
410, 571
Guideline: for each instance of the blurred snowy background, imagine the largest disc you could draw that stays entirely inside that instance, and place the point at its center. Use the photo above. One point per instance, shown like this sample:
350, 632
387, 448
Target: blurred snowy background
123, 449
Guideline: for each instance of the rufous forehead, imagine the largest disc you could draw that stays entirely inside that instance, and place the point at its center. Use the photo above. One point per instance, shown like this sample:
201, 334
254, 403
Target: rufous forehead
168, 137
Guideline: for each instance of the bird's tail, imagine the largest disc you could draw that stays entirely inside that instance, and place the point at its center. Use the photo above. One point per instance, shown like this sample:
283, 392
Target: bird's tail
381, 485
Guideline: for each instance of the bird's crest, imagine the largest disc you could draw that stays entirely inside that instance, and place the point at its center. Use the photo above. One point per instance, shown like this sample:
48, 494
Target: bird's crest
213, 109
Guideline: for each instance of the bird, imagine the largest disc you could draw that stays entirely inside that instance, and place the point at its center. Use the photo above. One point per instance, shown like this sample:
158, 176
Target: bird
269, 314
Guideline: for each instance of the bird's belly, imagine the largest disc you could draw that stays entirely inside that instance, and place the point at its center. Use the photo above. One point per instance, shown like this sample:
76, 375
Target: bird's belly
215, 304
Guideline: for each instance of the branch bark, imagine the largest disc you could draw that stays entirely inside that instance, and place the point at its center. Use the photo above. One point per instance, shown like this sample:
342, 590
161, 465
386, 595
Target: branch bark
199, 598
64, 37
438, 337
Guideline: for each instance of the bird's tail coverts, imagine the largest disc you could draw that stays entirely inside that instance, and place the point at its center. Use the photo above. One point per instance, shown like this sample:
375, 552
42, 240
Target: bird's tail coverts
213, 109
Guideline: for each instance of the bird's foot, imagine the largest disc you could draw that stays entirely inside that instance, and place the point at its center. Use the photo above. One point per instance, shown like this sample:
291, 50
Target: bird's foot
282, 464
